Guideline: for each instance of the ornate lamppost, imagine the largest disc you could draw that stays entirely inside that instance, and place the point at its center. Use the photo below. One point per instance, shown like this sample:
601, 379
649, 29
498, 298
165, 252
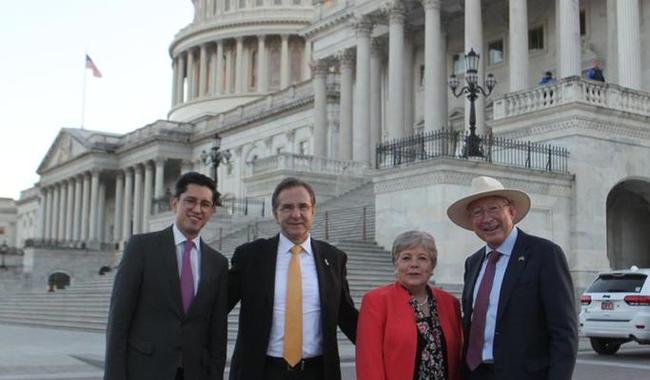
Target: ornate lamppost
215, 157
4, 249
472, 89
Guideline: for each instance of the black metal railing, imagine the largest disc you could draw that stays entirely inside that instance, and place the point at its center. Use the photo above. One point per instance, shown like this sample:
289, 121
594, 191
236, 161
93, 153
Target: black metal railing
244, 206
451, 144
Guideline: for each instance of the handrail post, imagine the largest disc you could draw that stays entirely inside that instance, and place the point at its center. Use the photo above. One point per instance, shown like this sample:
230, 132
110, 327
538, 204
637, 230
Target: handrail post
363, 231
327, 226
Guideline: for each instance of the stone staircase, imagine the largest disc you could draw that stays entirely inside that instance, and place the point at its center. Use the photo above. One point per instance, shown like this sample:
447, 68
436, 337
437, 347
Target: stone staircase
84, 305
350, 216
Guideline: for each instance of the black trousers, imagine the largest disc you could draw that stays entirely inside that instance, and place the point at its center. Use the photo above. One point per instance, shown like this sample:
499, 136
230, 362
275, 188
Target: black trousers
306, 369
483, 372
179, 374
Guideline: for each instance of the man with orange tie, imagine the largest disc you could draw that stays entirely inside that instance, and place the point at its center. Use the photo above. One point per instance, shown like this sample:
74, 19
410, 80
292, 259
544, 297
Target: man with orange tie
293, 292
168, 317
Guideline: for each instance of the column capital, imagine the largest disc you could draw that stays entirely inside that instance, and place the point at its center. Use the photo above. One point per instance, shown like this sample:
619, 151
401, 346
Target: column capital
261, 37
430, 4
319, 67
396, 12
363, 26
346, 57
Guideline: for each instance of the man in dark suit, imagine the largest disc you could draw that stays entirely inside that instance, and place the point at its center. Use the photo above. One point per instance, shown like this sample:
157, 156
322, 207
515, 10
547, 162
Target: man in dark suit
293, 292
518, 303
167, 318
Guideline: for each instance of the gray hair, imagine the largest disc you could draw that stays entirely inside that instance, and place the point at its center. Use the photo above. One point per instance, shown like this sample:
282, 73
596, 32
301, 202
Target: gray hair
413, 239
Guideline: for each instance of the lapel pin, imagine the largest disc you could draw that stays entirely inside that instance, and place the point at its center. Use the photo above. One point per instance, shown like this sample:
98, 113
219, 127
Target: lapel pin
521, 258
327, 262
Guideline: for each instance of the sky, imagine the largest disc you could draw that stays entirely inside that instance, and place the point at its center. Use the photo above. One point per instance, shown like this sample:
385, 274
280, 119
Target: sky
42, 64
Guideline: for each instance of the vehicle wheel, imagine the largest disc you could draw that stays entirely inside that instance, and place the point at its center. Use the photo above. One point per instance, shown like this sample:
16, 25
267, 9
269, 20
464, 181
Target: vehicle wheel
605, 346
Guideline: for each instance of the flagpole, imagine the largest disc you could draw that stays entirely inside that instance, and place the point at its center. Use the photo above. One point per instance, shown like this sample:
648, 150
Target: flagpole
83, 93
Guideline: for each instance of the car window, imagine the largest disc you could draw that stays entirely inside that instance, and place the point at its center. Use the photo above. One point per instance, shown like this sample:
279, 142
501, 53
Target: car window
618, 283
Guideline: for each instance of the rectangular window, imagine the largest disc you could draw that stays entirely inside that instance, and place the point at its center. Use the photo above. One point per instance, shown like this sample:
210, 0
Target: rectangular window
2, 230
583, 23
297, 2
495, 52
458, 64
303, 148
277, 2
242, 4
259, 3
536, 38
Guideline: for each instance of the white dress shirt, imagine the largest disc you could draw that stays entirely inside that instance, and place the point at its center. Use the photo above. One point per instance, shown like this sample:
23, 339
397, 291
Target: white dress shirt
311, 317
195, 255
505, 249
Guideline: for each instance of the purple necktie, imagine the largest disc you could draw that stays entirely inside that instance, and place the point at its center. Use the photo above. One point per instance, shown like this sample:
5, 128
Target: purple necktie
477, 329
187, 279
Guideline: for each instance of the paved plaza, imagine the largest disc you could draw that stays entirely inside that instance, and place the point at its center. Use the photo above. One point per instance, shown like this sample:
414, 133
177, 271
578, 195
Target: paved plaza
34, 353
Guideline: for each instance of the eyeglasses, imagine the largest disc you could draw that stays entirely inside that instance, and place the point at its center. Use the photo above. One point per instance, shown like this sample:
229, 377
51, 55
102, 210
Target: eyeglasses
190, 203
491, 210
288, 209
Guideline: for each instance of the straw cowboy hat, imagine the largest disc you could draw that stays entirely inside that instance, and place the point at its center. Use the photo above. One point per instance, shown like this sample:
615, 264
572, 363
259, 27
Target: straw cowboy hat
487, 187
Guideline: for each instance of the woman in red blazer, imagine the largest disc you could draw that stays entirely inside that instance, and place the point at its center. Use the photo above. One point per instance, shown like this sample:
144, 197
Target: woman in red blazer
408, 330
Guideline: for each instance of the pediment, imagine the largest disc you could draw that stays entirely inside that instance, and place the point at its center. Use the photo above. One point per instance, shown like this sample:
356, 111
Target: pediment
65, 148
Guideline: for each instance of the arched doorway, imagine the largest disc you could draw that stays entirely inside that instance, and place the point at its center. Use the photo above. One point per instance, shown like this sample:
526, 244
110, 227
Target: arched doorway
628, 224
58, 280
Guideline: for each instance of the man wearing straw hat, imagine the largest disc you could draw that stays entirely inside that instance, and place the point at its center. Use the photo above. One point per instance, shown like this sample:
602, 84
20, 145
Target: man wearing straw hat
518, 303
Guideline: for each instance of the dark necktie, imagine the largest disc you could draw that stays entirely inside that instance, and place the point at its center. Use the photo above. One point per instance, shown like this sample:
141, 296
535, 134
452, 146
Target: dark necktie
477, 329
187, 279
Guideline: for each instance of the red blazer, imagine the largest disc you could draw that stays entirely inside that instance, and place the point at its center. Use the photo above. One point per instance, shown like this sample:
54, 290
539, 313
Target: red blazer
387, 335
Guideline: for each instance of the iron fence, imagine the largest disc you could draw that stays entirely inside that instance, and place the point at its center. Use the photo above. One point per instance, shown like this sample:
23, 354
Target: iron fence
451, 144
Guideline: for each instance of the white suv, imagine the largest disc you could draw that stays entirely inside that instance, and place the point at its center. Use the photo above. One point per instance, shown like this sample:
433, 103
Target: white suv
615, 309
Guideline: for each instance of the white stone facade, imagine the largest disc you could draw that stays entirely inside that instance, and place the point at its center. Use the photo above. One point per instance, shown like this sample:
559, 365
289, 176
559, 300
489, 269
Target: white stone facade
296, 88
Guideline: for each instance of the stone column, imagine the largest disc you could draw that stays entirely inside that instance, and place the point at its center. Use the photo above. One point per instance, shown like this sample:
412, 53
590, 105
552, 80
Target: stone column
60, 236
408, 79
435, 116
227, 81
306, 67
54, 231
101, 212
94, 203
159, 192
612, 43
137, 200
212, 72
361, 129
119, 207
49, 220
320, 69
568, 30
203, 70
395, 70
346, 59
518, 61
180, 84
284, 62
191, 77
239, 69
474, 40
174, 81
262, 83
376, 59
128, 203
218, 76
76, 224
85, 205
629, 44
148, 195
70, 210
42, 214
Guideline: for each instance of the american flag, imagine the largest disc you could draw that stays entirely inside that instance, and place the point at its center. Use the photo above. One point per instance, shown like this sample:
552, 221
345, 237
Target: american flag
91, 65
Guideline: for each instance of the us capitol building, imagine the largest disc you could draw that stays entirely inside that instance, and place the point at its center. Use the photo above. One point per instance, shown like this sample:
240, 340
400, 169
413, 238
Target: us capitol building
354, 93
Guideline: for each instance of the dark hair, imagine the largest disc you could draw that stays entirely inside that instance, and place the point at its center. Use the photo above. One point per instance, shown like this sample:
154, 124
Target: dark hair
196, 179
548, 74
288, 183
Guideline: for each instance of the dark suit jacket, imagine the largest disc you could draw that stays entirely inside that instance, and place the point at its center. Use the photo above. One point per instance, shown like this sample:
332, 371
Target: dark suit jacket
252, 280
536, 335
148, 331
387, 337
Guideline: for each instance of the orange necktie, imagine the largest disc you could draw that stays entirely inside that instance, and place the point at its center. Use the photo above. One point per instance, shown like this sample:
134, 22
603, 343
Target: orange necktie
293, 311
